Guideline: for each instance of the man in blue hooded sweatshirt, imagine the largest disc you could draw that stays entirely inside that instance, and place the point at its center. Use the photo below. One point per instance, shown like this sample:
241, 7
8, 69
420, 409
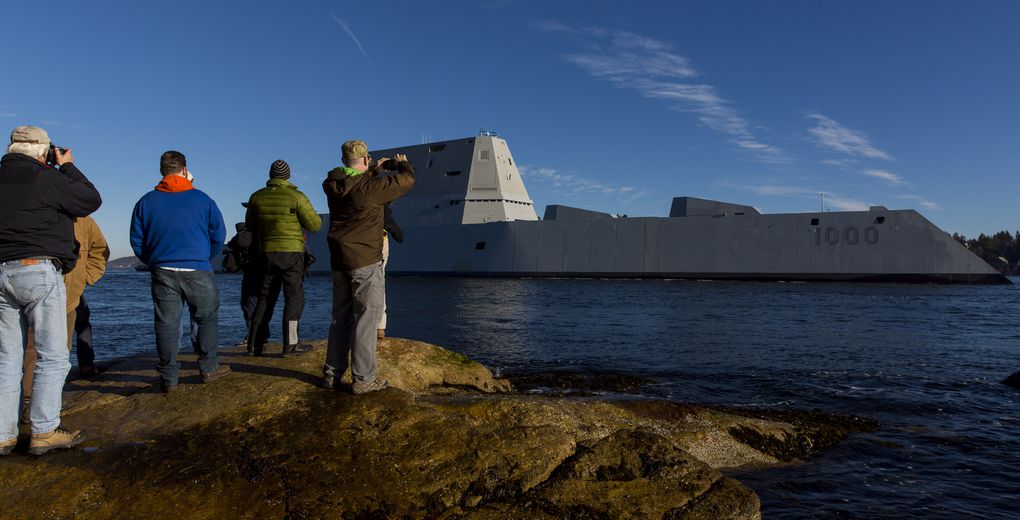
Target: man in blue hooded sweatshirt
176, 230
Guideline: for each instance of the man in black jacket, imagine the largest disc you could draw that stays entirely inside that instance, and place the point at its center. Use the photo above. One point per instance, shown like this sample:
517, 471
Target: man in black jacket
38, 203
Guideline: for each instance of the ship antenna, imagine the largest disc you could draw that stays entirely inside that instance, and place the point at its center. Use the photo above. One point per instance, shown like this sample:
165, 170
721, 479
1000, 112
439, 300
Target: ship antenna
821, 202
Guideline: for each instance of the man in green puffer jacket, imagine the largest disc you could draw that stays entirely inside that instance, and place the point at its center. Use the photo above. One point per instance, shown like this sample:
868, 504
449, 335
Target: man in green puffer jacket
277, 214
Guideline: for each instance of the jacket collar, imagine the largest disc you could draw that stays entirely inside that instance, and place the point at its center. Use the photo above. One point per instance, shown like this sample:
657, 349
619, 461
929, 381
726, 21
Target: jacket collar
24, 158
174, 184
280, 182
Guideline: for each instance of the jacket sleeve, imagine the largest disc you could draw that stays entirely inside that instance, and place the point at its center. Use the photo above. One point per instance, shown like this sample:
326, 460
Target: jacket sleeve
99, 254
138, 233
386, 188
76, 196
217, 230
250, 220
309, 218
390, 225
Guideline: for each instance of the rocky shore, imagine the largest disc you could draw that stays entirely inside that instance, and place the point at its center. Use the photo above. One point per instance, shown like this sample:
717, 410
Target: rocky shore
447, 440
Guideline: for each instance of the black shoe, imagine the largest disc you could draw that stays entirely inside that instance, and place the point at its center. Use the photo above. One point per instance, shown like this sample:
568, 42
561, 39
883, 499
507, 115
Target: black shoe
257, 352
222, 370
296, 350
328, 382
87, 372
166, 386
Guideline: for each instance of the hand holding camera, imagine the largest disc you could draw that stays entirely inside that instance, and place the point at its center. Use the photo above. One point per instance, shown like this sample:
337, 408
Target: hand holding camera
390, 165
59, 156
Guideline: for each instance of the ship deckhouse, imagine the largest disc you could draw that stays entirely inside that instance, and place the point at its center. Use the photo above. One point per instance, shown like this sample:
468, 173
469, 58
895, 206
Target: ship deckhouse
463, 181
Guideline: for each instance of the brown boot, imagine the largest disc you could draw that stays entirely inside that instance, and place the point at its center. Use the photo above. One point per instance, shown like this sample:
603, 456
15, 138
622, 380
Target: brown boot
380, 333
55, 440
8, 446
222, 370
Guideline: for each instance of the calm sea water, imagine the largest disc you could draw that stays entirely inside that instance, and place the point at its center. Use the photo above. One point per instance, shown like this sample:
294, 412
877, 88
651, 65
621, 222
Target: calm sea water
923, 360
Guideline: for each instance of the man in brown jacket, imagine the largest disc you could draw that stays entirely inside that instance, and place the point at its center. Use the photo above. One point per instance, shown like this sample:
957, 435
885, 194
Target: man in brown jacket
93, 252
356, 194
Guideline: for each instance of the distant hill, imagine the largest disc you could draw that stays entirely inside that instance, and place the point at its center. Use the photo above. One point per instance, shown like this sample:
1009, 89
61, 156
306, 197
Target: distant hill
127, 262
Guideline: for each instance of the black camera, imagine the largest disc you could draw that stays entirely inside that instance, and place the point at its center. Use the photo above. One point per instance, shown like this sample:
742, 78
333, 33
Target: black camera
51, 156
389, 165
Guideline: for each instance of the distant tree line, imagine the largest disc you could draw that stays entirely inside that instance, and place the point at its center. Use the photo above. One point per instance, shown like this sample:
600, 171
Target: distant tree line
994, 248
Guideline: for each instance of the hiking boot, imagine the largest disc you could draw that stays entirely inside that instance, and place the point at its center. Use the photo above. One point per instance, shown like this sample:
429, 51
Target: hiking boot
380, 333
55, 440
222, 370
296, 350
364, 387
166, 386
6, 447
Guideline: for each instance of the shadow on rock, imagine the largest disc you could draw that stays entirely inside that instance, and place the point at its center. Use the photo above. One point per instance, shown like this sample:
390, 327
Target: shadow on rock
562, 382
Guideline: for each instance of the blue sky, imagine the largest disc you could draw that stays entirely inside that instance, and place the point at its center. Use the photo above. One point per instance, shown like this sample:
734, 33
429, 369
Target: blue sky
610, 105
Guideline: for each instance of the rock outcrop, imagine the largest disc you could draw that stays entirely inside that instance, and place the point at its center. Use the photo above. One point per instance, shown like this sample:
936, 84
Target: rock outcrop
1013, 380
449, 440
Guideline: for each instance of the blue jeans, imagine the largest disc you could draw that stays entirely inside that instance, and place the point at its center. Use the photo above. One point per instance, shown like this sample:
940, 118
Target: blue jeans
170, 290
32, 296
358, 300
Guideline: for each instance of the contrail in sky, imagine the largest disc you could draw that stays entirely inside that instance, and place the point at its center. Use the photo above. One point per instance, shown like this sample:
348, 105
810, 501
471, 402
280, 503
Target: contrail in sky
347, 29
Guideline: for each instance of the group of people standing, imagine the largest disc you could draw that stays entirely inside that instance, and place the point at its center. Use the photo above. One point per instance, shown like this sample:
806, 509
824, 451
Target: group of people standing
178, 232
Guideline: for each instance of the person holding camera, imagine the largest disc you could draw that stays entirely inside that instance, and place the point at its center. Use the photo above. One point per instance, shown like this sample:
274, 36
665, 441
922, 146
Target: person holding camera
41, 193
277, 214
355, 240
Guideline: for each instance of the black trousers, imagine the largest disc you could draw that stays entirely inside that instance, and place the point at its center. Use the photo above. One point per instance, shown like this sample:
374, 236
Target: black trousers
278, 270
251, 287
83, 330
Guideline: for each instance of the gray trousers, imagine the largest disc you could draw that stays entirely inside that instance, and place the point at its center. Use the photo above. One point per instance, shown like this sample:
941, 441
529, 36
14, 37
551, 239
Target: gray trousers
358, 299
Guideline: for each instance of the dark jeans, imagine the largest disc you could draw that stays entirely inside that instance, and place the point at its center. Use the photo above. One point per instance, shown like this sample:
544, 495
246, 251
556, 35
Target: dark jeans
279, 269
170, 290
83, 331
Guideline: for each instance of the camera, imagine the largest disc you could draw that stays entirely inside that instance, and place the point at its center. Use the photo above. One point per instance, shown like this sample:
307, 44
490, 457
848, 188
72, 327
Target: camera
51, 156
389, 165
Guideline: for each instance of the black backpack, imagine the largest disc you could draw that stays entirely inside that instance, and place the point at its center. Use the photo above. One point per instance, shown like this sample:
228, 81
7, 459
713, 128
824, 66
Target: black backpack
237, 254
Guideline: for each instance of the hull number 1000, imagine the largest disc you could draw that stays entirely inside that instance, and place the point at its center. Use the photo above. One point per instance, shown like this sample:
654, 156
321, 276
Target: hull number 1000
849, 235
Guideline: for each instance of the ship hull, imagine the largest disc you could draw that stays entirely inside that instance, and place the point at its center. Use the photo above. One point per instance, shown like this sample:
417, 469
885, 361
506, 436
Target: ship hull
880, 246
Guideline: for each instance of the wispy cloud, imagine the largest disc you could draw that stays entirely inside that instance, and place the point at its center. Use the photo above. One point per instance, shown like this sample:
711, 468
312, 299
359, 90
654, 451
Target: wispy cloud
830, 134
652, 69
923, 202
59, 124
347, 29
887, 176
840, 163
574, 183
845, 204
8, 114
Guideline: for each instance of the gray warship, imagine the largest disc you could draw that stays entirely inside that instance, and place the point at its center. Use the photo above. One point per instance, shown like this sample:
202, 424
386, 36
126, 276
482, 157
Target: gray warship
469, 214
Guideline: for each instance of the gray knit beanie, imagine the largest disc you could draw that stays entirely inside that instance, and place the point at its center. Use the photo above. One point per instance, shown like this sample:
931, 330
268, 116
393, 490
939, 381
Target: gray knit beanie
279, 170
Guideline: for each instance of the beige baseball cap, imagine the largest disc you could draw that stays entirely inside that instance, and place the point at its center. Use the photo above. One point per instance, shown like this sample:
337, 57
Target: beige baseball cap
354, 149
30, 134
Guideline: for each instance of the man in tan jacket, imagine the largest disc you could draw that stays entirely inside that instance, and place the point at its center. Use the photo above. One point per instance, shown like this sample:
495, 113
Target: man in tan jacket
93, 252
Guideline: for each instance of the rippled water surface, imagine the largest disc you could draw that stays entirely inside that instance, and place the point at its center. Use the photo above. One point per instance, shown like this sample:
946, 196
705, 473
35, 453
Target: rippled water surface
923, 360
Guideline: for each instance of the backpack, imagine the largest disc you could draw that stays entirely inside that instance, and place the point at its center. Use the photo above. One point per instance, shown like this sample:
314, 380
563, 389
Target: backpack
237, 256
